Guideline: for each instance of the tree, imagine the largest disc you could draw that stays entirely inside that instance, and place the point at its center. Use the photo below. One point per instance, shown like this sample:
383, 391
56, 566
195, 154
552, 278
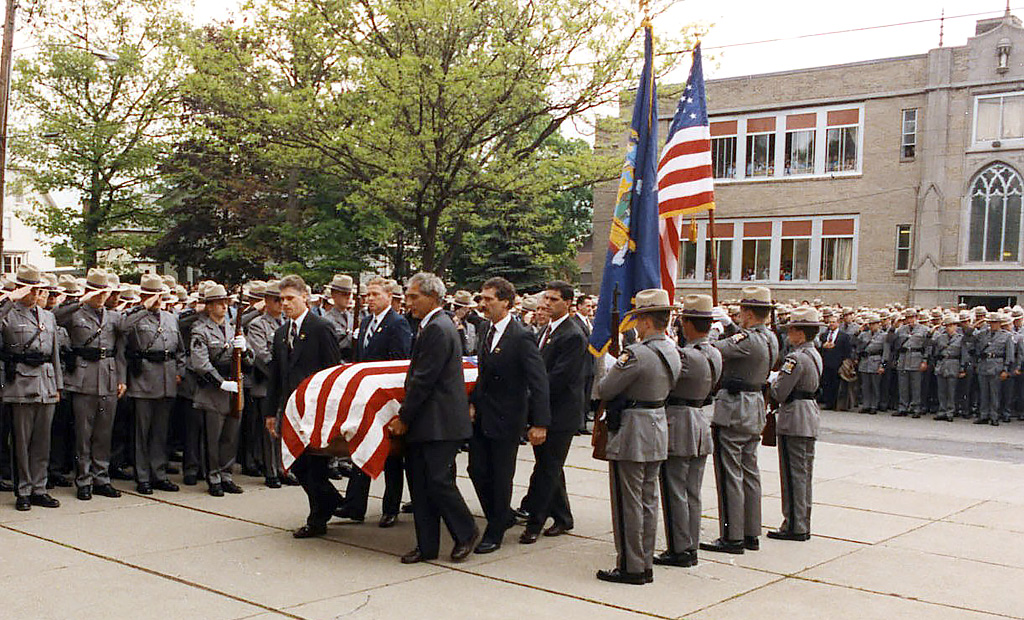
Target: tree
430, 111
99, 101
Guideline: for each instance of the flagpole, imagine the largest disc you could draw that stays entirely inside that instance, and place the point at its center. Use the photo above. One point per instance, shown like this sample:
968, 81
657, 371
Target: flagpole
714, 257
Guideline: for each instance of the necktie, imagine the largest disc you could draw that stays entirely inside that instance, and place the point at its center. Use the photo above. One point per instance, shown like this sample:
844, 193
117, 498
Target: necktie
544, 338
293, 333
489, 342
369, 332
832, 337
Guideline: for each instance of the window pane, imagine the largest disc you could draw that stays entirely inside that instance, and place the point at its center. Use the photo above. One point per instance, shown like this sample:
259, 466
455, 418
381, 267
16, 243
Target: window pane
800, 152
761, 155
794, 259
994, 229
1013, 117
723, 157
688, 260
1011, 238
988, 119
850, 148
976, 241
841, 150
836, 258
903, 248
756, 259
724, 248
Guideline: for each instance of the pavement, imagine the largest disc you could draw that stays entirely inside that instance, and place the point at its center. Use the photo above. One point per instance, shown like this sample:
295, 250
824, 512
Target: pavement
912, 519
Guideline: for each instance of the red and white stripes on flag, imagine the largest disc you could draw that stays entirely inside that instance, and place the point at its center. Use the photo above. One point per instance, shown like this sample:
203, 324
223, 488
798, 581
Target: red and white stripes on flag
353, 401
685, 175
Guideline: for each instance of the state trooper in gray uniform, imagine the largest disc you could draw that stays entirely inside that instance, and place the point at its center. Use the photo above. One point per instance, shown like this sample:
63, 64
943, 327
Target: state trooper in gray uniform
910, 341
97, 378
950, 360
795, 388
155, 354
33, 380
210, 355
689, 434
260, 336
339, 316
870, 352
995, 362
636, 388
738, 420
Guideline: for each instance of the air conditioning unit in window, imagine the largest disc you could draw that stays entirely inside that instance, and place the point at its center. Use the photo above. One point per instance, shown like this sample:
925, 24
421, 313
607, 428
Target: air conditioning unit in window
996, 144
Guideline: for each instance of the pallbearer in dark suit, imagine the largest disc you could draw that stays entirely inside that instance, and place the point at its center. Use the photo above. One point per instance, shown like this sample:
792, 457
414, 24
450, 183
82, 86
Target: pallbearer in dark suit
384, 335
304, 345
434, 419
511, 391
563, 347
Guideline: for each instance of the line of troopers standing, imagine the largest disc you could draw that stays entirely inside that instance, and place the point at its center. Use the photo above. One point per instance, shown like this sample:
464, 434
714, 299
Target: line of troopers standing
950, 363
658, 434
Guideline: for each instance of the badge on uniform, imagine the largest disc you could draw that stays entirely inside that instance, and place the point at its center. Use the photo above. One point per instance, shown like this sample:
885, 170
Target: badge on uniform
625, 359
740, 337
788, 366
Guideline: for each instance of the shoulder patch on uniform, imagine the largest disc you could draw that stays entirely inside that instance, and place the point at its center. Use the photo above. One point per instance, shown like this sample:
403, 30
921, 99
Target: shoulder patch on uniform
628, 358
738, 337
788, 366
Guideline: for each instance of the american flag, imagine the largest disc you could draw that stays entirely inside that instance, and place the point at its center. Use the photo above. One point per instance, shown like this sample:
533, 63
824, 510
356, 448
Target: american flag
685, 177
352, 401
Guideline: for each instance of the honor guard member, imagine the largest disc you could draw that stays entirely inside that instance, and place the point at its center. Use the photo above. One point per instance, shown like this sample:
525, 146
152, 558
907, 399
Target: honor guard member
795, 388
871, 365
210, 356
910, 342
950, 360
260, 335
995, 362
62, 436
155, 354
637, 386
736, 426
97, 377
33, 380
689, 434
340, 317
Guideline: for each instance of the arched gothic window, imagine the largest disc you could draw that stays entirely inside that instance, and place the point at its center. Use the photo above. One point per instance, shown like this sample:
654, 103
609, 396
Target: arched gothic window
995, 214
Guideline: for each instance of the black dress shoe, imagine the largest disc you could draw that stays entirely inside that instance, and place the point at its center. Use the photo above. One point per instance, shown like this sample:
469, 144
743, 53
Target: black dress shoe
684, 559
216, 490
290, 480
751, 543
85, 493
23, 503
462, 550
943, 418
6, 487
165, 485
44, 500
310, 531
387, 521
229, 486
487, 546
995, 423
144, 488
981, 421
648, 575
915, 415
556, 530
61, 481
121, 473
721, 545
528, 537
407, 508
617, 576
784, 535
347, 512
190, 480
106, 491
415, 556
520, 515
273, 483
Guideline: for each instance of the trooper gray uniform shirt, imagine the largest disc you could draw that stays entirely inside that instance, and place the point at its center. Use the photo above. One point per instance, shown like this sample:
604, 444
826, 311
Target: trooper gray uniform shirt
261, 343
210, 354
950, 358
871, 352
689, 444
739, 417
342, 323
638, 447
154, 353
799, 419
996, 353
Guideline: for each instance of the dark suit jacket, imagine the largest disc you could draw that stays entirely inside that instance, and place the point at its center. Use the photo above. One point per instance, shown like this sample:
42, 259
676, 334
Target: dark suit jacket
512, 385
392, 339
316, 348
436, 407
565, 356
843, 349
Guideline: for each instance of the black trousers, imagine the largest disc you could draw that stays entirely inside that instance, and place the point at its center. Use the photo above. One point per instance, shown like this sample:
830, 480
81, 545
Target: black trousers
431, 466
492, 465
357, 493
547, 496
829, 388
311, 472
62, 438
250, 436
122, 440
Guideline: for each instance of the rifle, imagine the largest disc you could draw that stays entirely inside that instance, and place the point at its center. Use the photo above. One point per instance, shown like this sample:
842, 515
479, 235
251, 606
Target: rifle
768, 434
599, 437
357, 309
238, 398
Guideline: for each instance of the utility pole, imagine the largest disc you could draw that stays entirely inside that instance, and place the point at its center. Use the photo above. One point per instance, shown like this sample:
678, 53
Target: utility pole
5, 91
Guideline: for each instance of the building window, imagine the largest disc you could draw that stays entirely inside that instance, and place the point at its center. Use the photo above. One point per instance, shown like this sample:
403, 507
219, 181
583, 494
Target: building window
756, 259
795, 251
12, 262
999, 117
800, 152
688, 260
723, 247
837, 258
995, 214
909, 145
8, 226
761, 155
723, 149
841, 141
903, 247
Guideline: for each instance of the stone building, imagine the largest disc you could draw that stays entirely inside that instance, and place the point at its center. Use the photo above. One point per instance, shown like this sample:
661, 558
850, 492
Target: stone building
889, 180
